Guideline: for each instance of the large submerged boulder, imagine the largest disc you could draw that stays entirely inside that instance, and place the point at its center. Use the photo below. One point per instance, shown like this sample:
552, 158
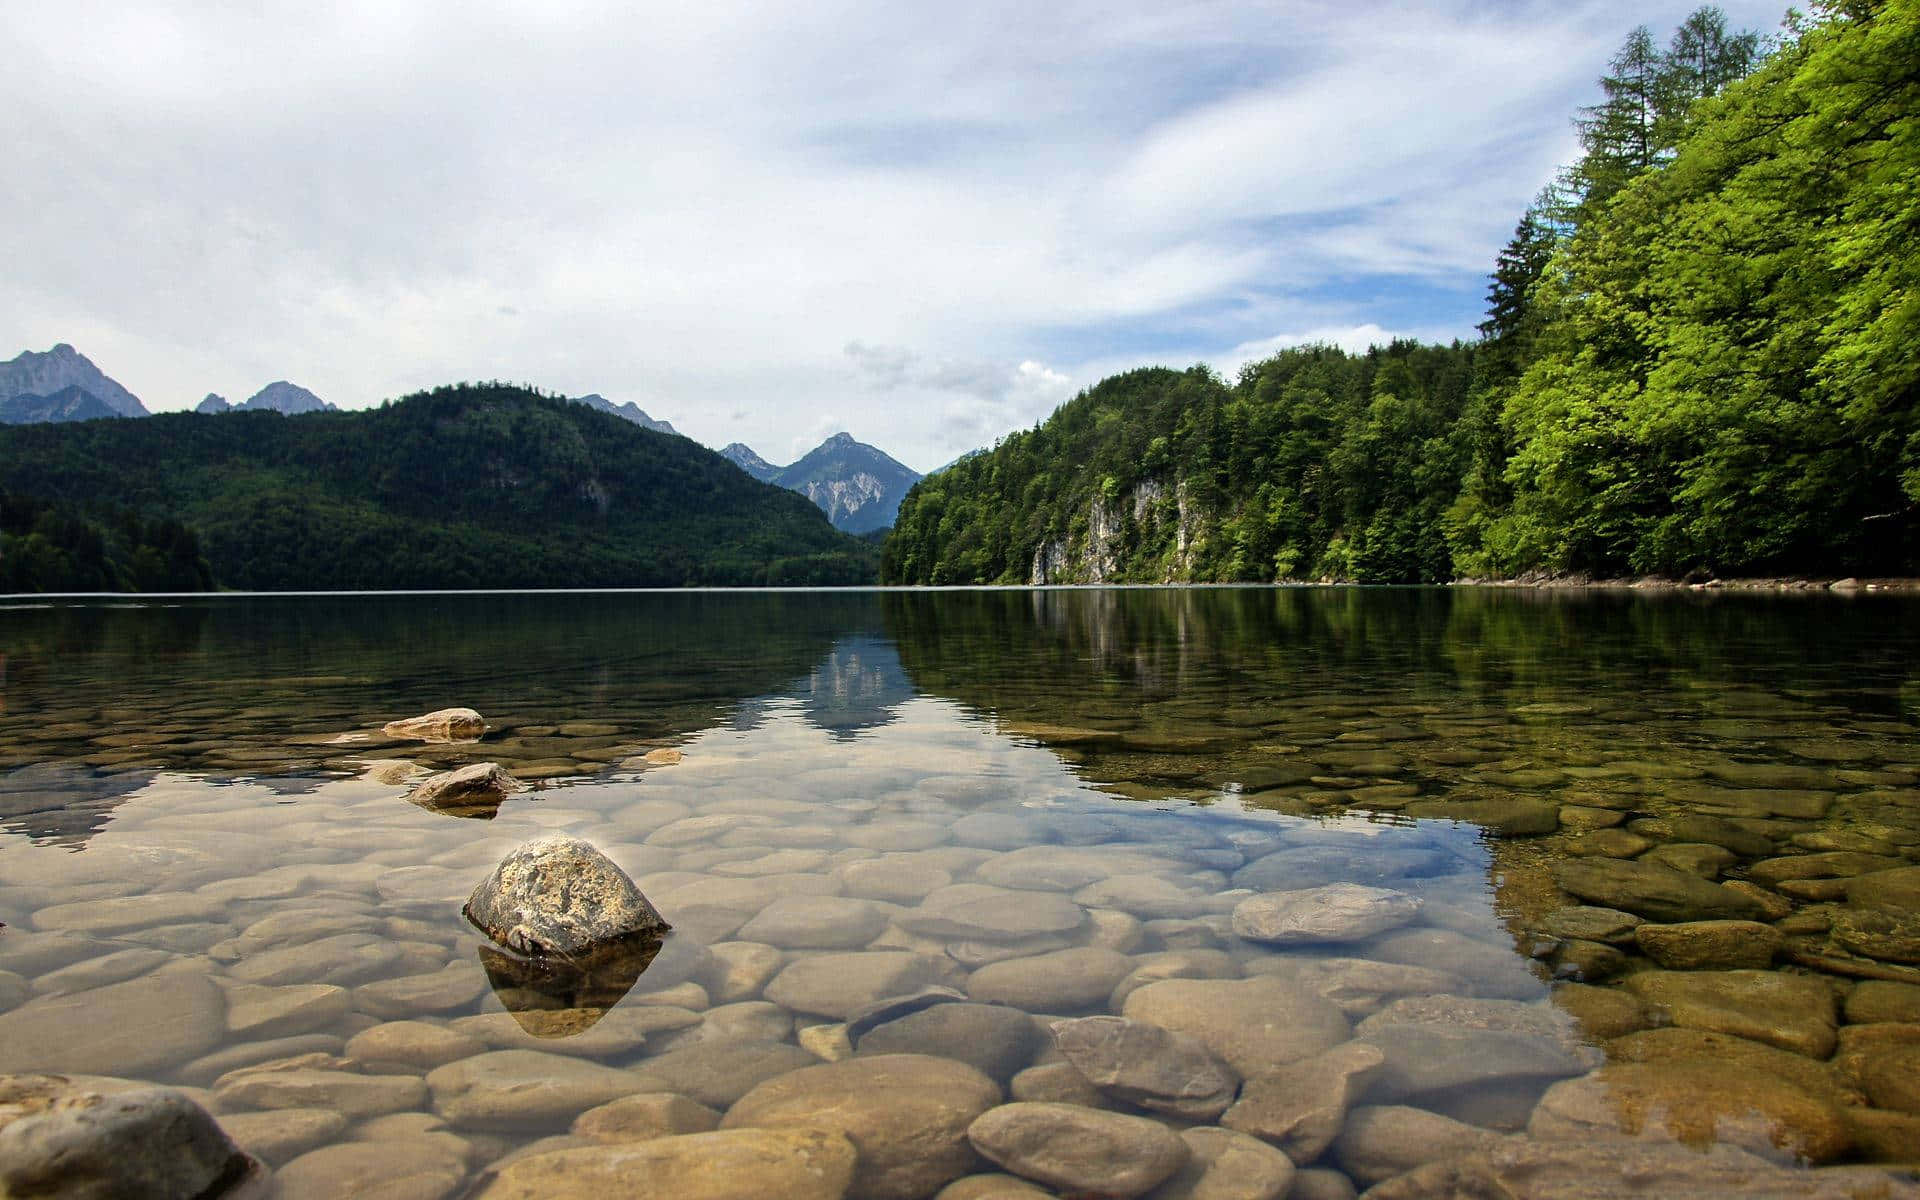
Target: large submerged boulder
559, 896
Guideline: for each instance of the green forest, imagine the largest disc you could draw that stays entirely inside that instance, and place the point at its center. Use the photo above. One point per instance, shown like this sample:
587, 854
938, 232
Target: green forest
1699, 358
465, 486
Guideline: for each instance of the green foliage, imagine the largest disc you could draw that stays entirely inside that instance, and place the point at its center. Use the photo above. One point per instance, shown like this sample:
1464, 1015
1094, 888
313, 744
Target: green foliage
467, 486
1315, 461
49, 547
1699, 356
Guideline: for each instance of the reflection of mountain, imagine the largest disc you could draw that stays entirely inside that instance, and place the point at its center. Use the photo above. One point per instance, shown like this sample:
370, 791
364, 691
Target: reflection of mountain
856, 687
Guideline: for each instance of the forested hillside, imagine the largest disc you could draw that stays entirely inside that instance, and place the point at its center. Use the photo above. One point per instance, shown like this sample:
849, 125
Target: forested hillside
45, 547
1699, 356
468, 486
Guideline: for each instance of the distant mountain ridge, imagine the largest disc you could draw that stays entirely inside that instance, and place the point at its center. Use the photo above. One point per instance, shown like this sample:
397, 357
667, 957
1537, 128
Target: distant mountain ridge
213, 405
858, 486
627, 411
68, 404
742, 456
54, 371
283, 397
466, 486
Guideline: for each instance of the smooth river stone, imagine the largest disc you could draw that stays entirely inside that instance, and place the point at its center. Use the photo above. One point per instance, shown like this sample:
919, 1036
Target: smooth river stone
135, 1029
1253, 1025
451, 989
906, 1114
343, 959
1664, 1047
1337, 912
1710, 945
117, 967
128, 912
741, 970
644, 1117
840, 985
413, 1045
579, 1033
894, 880
1228, 1166
737, 1164
1655, 892
719, 1073
281, 1134
816, 923
1068, 868
1354, 860
1794, 1012
1148, 1066
1586, 923
1064, 981
1382, 1141
1079, 1149
259, 1013
1302, 1106
411, 1169
995, 1040
977, 910
1694, 1103
521, 1089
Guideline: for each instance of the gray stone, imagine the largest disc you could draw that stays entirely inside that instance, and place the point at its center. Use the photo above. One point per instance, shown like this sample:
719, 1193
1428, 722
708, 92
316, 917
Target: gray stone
840, 985
1064, 981
719, 1073
734, 1164
1079, 1149
135, 1029
1253, 1025
1173, 964
1301, 1107
907, 1113
644, 1116
559, 895
260, 1013
975, 910
1350, 860
1227, 1166
1336, 912
1381, 1142
816, 923
1357, 986
524, 1089
59, 1140
748, 1021
1147, 1066
741, 970
348, 1093
1057, 1082
994, 1040
894, 1007
400, 1169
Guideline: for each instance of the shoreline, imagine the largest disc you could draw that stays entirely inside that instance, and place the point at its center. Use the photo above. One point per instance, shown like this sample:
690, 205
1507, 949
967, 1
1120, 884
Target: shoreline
1850, 585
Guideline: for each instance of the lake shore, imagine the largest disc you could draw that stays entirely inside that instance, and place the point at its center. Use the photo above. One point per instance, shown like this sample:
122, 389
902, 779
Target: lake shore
1653, 583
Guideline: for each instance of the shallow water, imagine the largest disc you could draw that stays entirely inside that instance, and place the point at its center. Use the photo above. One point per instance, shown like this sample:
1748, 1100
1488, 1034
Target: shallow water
211, 875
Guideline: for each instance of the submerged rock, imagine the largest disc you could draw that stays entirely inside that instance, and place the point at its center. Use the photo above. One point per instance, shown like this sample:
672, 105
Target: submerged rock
445, 725
558, 895
796, 1164
1699, 1104
473, 790
1337, 912
59, 1140
1079, 1149
1652, 891
1149, 1066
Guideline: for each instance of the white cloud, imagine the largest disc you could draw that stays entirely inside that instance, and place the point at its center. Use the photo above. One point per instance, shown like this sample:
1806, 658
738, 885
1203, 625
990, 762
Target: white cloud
704, 208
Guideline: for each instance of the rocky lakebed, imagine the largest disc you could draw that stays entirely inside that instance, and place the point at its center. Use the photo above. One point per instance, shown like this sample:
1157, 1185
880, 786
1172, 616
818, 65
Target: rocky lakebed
952, 917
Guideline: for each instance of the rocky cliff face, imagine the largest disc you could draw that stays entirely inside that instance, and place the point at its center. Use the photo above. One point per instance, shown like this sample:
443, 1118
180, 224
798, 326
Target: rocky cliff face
63, 367
1114, 529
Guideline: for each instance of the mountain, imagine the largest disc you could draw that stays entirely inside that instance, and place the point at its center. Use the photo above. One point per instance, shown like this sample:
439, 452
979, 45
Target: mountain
627, 411
282, 397
742, 456
468, 486
213, 405
858, 486
67, 404
62, 367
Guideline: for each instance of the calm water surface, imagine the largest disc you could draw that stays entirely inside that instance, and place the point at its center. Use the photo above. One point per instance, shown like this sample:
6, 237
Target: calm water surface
1643, 869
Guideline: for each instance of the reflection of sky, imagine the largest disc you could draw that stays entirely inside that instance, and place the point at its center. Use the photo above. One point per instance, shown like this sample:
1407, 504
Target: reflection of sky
858, 686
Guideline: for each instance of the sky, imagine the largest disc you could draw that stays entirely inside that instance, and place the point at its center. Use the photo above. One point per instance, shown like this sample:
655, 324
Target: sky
927, 225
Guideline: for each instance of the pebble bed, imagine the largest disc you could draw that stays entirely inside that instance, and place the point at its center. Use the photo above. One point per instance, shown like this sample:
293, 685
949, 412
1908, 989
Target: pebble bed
1071, 941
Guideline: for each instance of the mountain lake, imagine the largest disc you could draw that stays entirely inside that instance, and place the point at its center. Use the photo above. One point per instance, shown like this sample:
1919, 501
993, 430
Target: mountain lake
1006, 893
